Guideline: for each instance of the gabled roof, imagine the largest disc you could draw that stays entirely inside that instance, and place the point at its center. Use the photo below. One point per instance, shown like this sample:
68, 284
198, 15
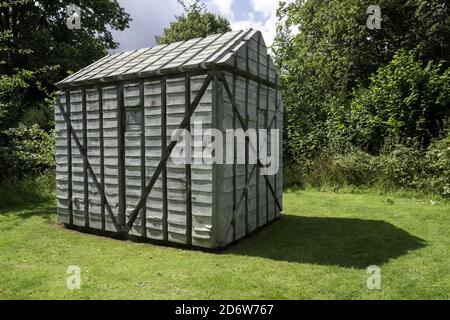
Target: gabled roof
195, 54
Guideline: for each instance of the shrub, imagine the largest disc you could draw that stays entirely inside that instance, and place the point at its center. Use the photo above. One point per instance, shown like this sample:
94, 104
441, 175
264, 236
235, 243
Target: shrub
403, 167
397, 167
355, 168
26, 151
438, 168
30, 190
406, 100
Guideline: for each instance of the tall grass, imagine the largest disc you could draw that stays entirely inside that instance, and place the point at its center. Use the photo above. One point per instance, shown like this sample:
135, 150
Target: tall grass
32, 190
401, 170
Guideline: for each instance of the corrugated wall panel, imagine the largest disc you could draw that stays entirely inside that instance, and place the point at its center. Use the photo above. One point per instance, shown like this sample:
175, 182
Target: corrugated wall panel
240, 167
111, 153
259, 205
263, 190
279, 126
224, 214
153, 151
78, 181
252, 124
62, 164
133, 145
176, 173
94, 155
201, 174
272, 178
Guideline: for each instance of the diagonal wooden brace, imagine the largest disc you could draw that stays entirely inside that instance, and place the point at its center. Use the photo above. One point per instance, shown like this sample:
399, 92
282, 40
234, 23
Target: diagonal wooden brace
221, 77
89, 167
184, 124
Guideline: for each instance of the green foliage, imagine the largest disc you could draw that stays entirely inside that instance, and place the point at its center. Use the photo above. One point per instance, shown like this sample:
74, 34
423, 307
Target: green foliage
319, 249
36, 50
366, 107
30, 151
400, 167
196, 22
438, 166
39, 27
334, 54
405, 101
31, 190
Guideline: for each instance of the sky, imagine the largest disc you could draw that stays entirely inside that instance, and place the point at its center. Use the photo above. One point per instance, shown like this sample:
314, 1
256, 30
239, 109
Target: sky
150, 17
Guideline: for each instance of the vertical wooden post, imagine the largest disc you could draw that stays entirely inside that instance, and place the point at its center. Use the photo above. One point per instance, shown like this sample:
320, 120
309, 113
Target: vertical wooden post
121, 144
85, 170
277, 142
143, 171
266, 126
258, 92
69, 159
163, 155
102, 158
187, 88
246, 157
234, 221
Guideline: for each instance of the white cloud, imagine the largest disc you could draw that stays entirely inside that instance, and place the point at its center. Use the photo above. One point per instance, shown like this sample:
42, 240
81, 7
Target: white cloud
150, 18
222, 7
266, 8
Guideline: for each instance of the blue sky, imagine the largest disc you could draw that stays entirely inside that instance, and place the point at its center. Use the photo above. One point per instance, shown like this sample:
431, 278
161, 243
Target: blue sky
151, 16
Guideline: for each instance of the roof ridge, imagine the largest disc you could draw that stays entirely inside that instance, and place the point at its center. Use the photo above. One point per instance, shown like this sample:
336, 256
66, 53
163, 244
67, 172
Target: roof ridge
182, 56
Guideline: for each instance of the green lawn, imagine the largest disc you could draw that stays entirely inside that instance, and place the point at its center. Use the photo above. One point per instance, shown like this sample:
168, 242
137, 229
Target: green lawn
319, 249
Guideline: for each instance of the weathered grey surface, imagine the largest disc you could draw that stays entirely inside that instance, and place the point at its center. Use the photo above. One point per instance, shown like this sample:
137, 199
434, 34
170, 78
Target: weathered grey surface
260, 204
203, 53
213, 196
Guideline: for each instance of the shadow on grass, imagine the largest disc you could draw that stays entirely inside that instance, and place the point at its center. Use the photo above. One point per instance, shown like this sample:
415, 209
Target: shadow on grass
22, 213
353, 243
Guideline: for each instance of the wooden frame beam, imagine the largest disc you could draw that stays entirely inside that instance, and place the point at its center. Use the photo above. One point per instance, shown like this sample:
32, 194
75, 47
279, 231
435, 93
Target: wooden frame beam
89, 167
170, 147
221, 77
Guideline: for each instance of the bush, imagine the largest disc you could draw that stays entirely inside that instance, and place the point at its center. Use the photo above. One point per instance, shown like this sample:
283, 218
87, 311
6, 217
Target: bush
335, 170
438, 168
26, 151
406, 101
403, 167
293, 175
30, 190
398, 167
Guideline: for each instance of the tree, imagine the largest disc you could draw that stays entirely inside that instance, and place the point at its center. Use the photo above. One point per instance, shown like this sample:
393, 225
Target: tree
40, 27
36, 50
23, 150
334, 52
406, 101
196, 22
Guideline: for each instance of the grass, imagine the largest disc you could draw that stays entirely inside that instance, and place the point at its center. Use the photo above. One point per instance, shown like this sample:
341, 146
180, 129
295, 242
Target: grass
33, 190
320, 249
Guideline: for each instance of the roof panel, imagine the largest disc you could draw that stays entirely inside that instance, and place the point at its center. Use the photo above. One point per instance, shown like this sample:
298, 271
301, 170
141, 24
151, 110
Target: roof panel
155, 57
200, 53
172, 55
194, 51
96, 65
125, 63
